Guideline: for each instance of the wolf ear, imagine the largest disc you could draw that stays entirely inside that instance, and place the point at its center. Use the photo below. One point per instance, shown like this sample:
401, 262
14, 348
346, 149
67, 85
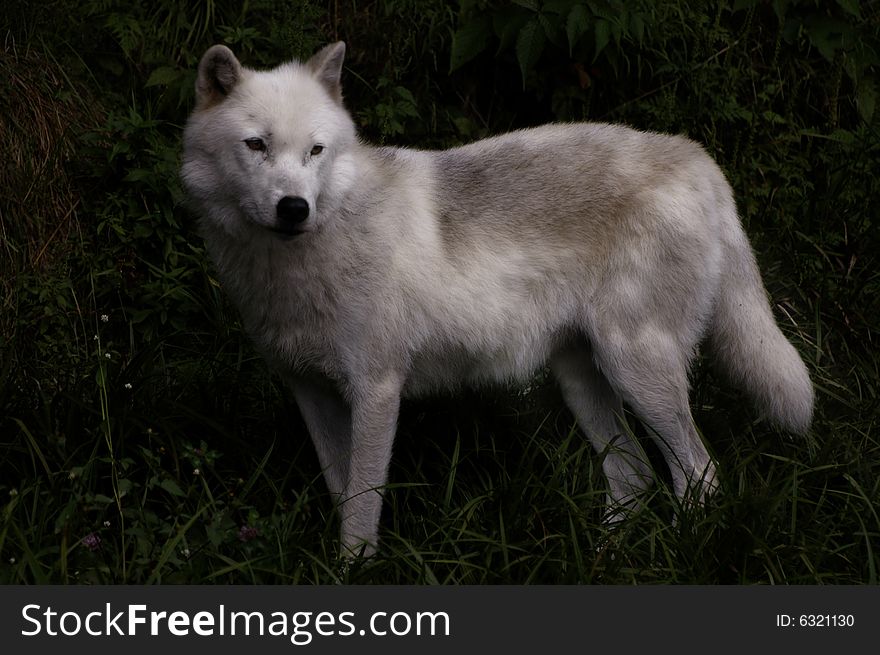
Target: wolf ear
326, 64
219, 72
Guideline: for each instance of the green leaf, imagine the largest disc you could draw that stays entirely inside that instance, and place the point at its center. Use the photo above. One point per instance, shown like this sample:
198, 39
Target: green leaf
172, 487
469, 41
507, 23
164, 75
850, 7
529, 46
637, 25
139, 175
66, 515
101, 377
603, 36
829, 35
124, 486
866, 99
405, 94
576, 25
552, 29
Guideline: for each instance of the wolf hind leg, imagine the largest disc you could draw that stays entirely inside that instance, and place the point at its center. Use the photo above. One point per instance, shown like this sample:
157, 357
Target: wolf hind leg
650, 375
599, 413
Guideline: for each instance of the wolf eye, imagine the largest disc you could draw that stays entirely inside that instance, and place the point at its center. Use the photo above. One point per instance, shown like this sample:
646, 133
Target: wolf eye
317, 149
255, 143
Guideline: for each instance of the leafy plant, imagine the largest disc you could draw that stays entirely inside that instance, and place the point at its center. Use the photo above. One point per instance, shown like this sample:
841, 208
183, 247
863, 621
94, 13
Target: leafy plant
530, 26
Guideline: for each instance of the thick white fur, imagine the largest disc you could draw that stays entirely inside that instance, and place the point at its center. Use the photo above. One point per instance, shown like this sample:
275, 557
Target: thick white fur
604, 252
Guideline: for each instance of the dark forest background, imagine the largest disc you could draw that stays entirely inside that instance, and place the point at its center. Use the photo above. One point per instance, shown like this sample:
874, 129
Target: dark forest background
142, 439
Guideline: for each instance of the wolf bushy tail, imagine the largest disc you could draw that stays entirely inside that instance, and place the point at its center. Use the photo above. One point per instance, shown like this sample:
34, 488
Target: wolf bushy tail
750, 344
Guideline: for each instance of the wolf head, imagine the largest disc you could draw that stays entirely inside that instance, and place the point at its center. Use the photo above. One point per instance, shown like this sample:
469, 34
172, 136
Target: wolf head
266, 150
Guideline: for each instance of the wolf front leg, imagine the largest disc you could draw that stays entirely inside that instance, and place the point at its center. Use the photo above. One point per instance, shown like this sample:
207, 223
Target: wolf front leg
328, 417
374, 409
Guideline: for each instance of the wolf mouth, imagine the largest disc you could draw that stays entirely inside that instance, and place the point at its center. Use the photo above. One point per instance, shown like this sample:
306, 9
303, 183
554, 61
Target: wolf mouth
286, 234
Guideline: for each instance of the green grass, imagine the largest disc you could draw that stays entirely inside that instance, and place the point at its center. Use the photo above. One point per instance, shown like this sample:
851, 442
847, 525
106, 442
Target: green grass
155, 447
473, 499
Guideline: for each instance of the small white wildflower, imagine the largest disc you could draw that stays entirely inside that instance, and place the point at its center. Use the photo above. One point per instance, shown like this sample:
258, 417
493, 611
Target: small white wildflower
196, 472
107, 355
104, 318
95, 338
106, 524
13, 492
185, 552
128, 385
12, 560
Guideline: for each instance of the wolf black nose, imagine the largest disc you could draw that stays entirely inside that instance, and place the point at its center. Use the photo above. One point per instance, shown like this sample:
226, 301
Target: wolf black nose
292, 210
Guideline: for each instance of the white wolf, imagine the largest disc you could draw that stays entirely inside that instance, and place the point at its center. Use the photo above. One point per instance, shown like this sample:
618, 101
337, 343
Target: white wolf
369, 274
